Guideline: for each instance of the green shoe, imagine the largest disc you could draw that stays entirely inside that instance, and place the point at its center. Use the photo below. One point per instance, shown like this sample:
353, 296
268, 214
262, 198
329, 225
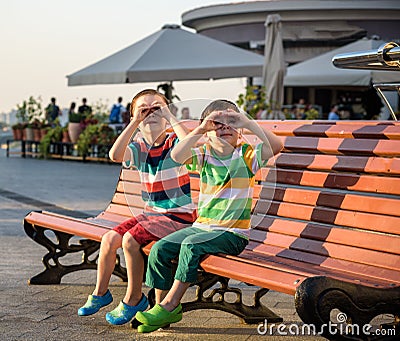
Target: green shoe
158, 316
144, 328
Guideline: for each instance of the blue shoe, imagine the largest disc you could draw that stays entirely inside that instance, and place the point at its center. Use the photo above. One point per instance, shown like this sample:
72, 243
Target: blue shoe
94, 303
124, 313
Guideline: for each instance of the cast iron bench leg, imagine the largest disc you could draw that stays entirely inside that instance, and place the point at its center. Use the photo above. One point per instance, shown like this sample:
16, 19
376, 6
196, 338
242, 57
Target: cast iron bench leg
54, 269
216, 299
316, 297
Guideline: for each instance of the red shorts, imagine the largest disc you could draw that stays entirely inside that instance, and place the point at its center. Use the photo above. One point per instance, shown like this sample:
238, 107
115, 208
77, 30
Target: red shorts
147, 228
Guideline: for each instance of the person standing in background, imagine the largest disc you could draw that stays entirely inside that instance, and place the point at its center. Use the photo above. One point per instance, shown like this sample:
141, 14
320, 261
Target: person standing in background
84, 109
333, 114
52, 111
185, 114
126, 115
71, 110
116, 111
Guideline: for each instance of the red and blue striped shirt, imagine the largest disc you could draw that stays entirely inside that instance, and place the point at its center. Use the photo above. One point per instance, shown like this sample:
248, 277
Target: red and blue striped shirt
165, 183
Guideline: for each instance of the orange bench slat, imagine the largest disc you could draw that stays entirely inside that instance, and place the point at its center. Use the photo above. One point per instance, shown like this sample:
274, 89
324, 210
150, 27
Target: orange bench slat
353, 237
123, 210
379, 258
252, 274
367, 221
374, 273
356, 182
342, 129
75, 227
270, 258
339, 163
345, 201
343, 146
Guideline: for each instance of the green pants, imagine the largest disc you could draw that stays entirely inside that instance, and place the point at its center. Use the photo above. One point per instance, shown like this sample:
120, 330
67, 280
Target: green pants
190, 245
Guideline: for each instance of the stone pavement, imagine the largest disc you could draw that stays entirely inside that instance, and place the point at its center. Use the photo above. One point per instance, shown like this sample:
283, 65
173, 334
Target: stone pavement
49, 312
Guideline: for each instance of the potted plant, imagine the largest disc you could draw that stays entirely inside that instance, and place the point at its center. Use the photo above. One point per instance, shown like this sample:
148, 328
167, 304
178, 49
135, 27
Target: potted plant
86, 139
106, 137
311, 113
100, 135
44, 127
22, 119
53, 135
36, 125
254, 101
17, 131
65, 134
29, 113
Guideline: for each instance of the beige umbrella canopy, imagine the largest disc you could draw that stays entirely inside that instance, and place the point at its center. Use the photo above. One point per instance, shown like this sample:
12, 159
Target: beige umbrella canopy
274, 65
171, 54
320, 71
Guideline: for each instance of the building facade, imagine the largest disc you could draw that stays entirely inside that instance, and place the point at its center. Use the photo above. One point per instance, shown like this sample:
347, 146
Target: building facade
309, 28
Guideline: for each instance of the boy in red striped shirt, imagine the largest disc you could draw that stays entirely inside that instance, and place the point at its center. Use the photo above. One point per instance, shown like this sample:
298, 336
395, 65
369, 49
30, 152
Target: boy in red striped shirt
165, 191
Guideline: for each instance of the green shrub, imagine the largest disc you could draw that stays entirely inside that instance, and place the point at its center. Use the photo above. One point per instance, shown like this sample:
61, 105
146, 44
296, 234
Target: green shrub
96, 134
53, 135
253, 100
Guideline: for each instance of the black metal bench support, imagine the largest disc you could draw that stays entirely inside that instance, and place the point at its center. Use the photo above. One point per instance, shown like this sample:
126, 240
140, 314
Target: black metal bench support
316, 297
211, 294
54, 269
218, 287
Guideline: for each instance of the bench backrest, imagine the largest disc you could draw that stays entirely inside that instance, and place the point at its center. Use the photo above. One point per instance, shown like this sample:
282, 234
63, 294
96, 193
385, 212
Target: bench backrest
331, 198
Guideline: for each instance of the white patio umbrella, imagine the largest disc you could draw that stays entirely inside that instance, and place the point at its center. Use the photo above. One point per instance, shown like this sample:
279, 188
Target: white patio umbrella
171, 54
274, 65
320, 71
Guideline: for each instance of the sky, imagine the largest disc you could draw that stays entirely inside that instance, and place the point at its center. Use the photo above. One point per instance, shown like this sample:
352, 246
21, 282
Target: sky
43, 41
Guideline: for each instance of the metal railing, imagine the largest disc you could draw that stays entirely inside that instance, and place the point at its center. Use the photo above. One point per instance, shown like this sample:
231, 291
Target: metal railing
385, 58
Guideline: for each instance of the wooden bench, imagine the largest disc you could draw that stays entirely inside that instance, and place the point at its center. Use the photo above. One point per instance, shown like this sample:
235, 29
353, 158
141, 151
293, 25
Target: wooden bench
326, 227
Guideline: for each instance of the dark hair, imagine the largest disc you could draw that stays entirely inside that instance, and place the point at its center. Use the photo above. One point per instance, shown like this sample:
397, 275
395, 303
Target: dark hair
218, 105
147, 92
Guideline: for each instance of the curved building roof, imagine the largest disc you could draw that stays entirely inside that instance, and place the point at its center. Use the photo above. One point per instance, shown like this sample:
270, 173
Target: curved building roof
309, 27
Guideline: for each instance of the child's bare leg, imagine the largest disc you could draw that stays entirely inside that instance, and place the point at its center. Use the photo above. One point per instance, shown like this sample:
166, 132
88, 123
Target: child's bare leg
110, 243
174, 296
135, 269
160, 295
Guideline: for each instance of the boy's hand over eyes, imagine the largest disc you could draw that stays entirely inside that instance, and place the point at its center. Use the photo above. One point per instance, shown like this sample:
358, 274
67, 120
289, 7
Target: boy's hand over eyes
141, 113
211, 122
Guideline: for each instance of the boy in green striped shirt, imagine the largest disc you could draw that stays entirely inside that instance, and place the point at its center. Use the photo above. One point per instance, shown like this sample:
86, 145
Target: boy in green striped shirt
227, 174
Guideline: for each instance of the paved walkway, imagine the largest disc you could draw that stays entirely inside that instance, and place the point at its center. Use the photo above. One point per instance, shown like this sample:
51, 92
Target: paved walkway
49, 312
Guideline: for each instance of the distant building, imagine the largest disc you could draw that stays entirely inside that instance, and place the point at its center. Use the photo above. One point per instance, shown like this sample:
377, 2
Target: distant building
9, 118
309, 28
